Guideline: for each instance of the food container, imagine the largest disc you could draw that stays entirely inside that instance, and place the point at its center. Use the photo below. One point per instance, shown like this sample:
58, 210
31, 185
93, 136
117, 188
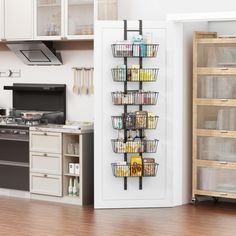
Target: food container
136, 165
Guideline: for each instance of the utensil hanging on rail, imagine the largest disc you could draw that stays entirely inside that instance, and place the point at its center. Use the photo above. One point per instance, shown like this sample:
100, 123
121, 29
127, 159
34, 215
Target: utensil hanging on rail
83, 80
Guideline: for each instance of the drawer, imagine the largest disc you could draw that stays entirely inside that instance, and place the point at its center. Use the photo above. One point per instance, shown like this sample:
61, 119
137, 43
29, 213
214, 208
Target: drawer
47, 142
45, 163
216, 179
46, 184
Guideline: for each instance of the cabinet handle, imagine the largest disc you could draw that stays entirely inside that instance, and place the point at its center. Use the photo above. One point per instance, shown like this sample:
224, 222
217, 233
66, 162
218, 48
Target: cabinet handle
45, 175
45, 154
223, 163
224, 100
224, 68
45, 134
224, 131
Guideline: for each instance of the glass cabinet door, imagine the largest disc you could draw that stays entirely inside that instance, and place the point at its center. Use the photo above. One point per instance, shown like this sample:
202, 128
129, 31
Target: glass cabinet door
49, 18
216, 87
79, 17
216, 55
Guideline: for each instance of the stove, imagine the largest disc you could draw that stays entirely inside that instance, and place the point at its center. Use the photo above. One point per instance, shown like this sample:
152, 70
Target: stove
14, 130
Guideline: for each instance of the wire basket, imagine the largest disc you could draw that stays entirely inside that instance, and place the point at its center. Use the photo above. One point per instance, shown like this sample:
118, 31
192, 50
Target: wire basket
134, 122
147, 146
134, 50
134, 98
135, 75
125, 170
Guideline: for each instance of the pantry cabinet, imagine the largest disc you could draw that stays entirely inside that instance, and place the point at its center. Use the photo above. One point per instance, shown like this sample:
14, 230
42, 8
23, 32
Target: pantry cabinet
63, 19
214, 115
20, 14
60, 159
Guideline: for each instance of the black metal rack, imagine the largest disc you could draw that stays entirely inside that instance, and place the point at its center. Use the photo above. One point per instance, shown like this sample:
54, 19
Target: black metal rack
139, 75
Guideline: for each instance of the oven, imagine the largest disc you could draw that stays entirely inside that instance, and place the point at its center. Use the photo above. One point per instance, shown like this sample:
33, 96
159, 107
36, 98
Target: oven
14, 157
14, 133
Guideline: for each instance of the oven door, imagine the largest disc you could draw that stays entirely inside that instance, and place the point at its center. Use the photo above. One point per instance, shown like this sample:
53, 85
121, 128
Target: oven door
14, 162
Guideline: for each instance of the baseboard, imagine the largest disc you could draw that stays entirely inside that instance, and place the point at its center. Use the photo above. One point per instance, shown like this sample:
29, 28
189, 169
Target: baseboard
14, 193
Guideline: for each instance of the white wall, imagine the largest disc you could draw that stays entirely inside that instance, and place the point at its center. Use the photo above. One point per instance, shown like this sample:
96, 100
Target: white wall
79, 108
158, 9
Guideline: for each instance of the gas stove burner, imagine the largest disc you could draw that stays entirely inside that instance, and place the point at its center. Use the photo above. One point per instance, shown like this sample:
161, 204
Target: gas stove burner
32, 122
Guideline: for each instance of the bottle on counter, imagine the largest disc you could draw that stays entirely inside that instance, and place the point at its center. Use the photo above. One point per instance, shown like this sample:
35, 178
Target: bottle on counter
70, 188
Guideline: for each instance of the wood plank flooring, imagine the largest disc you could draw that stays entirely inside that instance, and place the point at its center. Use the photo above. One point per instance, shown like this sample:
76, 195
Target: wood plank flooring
20, 217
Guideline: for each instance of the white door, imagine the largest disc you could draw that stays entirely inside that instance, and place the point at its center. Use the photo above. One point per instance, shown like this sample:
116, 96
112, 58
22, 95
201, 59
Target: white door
109, 190
1, 20
18, 19
49, 19
79, 18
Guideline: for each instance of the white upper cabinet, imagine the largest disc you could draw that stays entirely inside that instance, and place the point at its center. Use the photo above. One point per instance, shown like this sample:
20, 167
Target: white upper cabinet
48, 17
79, 18
18, 19
63, 19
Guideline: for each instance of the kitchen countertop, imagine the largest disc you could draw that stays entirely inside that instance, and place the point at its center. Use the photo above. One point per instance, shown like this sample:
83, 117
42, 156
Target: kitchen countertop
62, 129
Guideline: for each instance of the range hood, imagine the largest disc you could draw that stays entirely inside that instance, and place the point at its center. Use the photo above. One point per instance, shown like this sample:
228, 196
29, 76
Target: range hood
36, 53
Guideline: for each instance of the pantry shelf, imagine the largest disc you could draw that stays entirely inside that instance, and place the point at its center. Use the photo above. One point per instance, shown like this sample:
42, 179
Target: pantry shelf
71, 155
215, 102
134, 50
71, 175
142, 146
128, 170
135, 75
216, 70
134, 122
134, 98
139, 120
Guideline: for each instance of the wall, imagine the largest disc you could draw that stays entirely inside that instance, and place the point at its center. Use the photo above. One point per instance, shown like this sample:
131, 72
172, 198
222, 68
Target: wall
73, 54
158, 9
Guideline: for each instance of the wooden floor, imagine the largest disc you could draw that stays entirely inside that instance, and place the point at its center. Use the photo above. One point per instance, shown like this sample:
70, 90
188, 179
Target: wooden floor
34, 218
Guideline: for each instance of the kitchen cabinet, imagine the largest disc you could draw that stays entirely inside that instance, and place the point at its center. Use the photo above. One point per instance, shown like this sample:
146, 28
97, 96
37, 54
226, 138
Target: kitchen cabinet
63, 19
45, 184
52, 152
107, 9
214, 114
20, 14
45, 163
47, 142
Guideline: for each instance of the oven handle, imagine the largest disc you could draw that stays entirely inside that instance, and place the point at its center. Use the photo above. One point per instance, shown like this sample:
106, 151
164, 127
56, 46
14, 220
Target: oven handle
12, 139
11, 163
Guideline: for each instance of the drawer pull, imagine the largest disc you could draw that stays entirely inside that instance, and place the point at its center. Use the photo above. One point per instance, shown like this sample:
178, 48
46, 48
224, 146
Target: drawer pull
223, 194
45, 154
224, 131
223, 163
45, 175
45, 134
224, 100
224, 68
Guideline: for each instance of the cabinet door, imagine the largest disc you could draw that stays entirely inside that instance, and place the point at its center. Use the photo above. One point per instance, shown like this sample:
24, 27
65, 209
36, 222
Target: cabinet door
46, 184
45, 163
46, 142
49, 18
1, 20
18, 19
79, 19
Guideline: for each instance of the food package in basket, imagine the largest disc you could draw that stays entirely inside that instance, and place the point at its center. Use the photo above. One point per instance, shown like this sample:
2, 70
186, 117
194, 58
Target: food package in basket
148, 167
151, 120
136, 165
122, 169
146, 75
141, 120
